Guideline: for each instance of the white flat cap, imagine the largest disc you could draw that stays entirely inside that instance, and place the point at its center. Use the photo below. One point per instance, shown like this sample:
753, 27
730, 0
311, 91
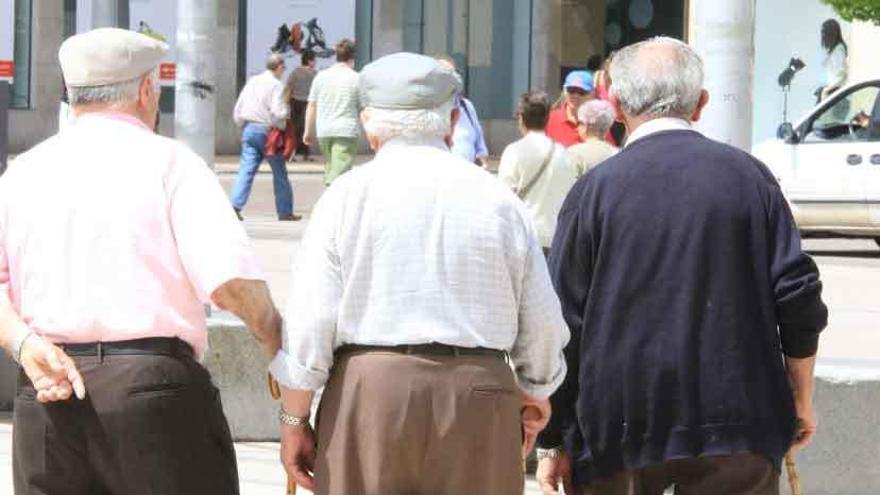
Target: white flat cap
407, 81
108, 55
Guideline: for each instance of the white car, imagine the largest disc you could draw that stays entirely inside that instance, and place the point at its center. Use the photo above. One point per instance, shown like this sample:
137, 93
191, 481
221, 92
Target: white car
828, 164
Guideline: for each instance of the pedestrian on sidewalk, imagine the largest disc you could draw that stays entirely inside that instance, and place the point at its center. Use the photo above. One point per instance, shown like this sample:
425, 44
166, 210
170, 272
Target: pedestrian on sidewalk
102, 298
595, 118
694, 313
332, 113
562, 125
468, 141
260, 107
419, 273
296, 92
536, 168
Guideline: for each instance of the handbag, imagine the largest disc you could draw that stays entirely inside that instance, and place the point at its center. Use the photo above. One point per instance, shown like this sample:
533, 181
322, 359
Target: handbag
528, 187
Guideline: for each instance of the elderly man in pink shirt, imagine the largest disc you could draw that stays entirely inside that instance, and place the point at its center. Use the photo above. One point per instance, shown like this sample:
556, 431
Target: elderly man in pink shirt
102, 291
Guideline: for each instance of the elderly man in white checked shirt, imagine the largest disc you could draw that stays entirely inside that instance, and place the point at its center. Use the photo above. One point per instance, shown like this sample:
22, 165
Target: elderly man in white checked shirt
417, 275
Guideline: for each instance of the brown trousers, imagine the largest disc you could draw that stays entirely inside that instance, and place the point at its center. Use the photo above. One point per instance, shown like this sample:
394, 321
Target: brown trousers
398, 424
739, 474
150, 424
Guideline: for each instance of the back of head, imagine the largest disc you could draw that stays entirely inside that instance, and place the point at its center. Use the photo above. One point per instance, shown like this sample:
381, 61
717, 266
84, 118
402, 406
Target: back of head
597, 116
345, 50
831, 34
534, 110
660, 77
408, 95
274, 61
307, 58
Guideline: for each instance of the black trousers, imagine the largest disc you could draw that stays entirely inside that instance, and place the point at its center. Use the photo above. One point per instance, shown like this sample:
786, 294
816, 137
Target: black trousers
150, 424
298, 115
739, 474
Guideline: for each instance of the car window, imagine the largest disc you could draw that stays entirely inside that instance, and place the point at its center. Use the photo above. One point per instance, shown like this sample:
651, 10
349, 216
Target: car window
850, 118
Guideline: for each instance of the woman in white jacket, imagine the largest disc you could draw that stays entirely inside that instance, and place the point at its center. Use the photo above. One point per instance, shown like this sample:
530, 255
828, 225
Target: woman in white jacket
834, 60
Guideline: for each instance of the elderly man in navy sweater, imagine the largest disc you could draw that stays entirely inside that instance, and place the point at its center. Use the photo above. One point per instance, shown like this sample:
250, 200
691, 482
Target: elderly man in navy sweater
694, 313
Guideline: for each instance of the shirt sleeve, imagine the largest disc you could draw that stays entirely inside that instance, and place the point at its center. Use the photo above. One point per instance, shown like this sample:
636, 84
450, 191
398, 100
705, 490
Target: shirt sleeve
508, 169
800, 311
537, 352
280, 109
481, 148
311, 314
570, 266
236, 112
211, 242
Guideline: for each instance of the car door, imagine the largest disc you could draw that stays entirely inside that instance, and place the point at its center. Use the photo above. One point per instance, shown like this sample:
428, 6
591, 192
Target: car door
830, 180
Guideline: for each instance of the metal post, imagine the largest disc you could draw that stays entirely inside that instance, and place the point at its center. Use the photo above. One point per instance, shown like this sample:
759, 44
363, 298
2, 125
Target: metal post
723, 33
194, 87
4, 124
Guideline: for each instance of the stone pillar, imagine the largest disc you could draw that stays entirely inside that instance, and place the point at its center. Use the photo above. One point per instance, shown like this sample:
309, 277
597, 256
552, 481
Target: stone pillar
546, 45
723, 33
109, 13
195, 83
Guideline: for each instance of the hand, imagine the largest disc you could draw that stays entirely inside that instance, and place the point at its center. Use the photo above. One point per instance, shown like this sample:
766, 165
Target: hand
551, 471
298, 454
51, 371
308, 139
806, 426
535, 416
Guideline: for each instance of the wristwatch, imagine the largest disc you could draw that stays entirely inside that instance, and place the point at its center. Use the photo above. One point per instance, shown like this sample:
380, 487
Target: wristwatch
548, 453
292, 420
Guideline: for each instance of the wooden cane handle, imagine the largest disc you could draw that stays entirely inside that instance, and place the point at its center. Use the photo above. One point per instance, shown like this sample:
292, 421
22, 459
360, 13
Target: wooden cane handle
291, 487
274, 391
794, 481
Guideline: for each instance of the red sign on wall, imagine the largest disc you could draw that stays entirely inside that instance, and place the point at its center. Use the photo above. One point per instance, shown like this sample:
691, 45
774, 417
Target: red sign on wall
167, 71
7, 68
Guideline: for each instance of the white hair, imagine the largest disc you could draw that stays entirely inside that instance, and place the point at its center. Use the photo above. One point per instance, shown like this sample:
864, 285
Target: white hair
384, 124
597, 115
659, 77
111, 94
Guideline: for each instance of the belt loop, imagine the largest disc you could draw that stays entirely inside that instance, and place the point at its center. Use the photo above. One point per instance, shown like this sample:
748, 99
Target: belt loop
100, 352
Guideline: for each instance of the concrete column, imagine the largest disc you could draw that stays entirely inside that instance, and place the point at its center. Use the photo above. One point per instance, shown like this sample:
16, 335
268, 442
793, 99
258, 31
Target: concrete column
723, 33
4, 124
109, 13
195, 84
546, 45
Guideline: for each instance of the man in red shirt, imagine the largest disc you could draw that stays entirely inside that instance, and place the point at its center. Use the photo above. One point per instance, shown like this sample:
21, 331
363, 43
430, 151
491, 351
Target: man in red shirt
562, 126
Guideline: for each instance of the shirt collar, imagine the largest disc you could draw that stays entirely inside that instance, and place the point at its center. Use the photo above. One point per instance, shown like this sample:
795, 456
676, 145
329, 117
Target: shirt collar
658, 125
117, 116
401, 142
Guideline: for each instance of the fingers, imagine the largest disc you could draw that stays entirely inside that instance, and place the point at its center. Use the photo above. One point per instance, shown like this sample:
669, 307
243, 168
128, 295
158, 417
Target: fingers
54, 393
803, 439
75, 379
300, 475
548, 484
567, 485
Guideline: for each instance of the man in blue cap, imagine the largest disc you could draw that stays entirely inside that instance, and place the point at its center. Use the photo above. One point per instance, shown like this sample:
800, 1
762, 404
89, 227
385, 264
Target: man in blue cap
562, 126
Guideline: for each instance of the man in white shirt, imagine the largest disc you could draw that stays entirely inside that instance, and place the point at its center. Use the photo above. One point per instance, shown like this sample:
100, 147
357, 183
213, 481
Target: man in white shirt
259, 108
536, 168
333, 109
417, 275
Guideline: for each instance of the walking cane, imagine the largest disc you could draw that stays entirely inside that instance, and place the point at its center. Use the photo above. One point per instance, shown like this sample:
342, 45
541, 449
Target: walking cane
275, 392
794, 481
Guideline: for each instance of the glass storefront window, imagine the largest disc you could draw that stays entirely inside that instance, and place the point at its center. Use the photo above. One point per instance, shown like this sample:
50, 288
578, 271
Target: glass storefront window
21, 85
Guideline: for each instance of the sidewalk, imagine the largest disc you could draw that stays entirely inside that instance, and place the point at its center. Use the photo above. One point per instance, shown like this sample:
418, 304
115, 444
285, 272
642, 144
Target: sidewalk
228, 164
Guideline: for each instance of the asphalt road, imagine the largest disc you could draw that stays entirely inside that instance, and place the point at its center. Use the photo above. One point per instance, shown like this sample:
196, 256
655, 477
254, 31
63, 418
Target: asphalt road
850, 268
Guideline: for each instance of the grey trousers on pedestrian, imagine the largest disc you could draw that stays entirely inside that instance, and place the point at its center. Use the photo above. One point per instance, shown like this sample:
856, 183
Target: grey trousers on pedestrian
399, 424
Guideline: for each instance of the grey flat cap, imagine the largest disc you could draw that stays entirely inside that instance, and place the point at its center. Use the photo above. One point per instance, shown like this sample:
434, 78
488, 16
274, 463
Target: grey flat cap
407, 81
108, 55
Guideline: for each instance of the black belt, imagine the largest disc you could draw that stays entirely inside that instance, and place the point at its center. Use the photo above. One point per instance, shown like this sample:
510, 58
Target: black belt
166, 346
423, 349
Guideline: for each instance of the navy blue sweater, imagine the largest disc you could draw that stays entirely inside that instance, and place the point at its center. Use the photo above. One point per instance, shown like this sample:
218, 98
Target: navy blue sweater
682, 279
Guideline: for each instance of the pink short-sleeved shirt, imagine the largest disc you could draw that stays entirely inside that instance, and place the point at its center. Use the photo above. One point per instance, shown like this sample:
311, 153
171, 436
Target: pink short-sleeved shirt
110, 232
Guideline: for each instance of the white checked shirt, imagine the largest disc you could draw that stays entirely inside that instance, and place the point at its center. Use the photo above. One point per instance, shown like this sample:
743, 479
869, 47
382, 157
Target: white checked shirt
420, 246
261, 102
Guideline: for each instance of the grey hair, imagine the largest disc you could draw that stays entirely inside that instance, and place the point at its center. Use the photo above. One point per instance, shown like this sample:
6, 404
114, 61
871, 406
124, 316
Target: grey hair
274, 61
657, 83
384, 124
110, 94
597, 115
